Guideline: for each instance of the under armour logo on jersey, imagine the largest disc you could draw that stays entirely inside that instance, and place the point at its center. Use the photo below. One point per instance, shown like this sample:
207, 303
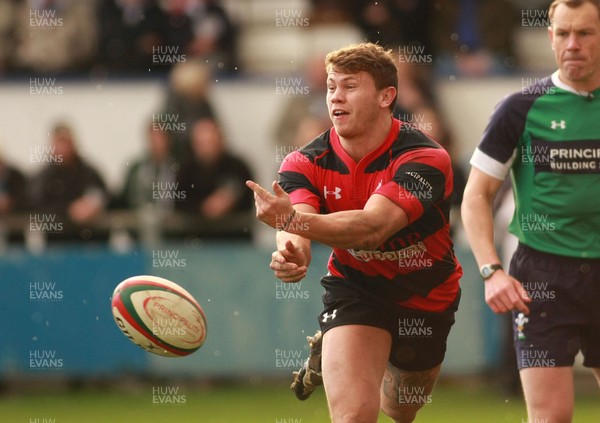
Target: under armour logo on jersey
326, 316
562, 124
335, 192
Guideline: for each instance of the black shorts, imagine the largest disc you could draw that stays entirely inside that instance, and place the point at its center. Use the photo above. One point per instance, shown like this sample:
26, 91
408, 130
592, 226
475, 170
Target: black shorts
564, 313
418, 337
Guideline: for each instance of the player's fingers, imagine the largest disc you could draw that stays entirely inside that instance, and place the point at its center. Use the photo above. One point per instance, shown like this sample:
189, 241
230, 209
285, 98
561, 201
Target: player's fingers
523, 308
283, 256
520, 305
279, 263
277, 190
258, 190
291, 251
519, 298
523, 293
498, 300
289, 246
291, 275
277, 257
497, 306
507, 299
516, 302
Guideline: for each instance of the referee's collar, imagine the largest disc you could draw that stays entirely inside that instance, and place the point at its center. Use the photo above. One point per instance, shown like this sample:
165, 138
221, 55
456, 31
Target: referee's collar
560, 84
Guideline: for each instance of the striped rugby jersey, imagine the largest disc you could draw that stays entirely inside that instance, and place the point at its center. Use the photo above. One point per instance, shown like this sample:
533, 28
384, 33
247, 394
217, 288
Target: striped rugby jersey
416, 267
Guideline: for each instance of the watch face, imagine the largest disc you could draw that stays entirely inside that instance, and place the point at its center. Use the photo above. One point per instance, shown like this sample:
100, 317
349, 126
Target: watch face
489, 269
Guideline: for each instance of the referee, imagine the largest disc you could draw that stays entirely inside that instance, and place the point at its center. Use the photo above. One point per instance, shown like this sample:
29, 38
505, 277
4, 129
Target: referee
548, 137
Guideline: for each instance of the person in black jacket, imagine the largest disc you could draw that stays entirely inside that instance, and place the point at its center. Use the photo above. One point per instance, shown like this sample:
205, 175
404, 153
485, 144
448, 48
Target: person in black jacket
68, 195
213, 179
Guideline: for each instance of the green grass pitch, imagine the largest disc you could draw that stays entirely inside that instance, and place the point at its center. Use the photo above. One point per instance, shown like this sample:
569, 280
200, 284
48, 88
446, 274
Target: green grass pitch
263, 403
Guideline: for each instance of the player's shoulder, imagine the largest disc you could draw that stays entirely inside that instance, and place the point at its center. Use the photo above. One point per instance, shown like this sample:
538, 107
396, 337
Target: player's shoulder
412, 139
317, 147
413, 145
311, 153
522, 100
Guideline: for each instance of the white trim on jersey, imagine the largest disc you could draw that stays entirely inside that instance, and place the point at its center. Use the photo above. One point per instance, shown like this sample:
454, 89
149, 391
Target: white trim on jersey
556, 80
491, 166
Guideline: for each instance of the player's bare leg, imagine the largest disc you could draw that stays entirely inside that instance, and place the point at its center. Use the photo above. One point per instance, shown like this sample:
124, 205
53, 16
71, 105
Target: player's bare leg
354, 361
549, 394
403, 393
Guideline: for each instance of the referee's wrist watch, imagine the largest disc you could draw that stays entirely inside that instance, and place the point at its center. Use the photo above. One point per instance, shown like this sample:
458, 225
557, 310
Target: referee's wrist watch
487, 270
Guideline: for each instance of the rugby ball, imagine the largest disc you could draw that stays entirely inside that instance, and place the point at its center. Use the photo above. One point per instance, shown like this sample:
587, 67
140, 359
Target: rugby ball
159, 316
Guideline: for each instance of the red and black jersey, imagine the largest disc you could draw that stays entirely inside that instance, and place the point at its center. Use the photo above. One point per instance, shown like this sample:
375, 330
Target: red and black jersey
416, 267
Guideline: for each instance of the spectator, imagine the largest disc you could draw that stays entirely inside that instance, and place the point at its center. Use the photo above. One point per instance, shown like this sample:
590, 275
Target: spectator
214, 179
151, 178
55, 36
188, 100
215, 35
330, 12
178, 31
9, 11
475, 37
12, 187
131, 31
392, 23
68, 190
304, 115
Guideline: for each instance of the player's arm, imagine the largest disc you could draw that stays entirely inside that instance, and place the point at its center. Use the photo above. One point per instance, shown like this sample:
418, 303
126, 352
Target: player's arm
502, 292
359, 229
291, 260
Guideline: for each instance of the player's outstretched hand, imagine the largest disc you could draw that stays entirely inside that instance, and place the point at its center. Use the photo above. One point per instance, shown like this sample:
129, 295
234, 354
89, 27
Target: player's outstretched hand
289, 263
272, 209
504, 293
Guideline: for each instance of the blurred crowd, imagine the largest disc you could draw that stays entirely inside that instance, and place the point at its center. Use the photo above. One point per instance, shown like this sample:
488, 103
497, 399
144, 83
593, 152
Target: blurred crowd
471, 37
68, 197
187, 166
112, 36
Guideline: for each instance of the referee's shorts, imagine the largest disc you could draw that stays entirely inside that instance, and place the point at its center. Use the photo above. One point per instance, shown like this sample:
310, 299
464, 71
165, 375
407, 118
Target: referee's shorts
564, 313
418, 337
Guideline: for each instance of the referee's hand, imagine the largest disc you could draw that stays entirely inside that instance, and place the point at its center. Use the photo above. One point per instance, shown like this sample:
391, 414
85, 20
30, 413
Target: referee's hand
504, 293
